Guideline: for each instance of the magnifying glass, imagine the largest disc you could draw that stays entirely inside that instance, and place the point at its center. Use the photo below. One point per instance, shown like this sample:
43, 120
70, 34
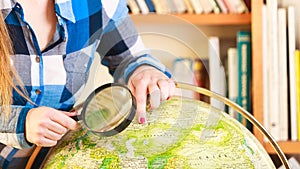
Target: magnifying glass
108, 110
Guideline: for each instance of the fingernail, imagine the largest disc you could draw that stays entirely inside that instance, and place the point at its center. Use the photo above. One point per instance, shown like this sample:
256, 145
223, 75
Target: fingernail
168, 98
142, 120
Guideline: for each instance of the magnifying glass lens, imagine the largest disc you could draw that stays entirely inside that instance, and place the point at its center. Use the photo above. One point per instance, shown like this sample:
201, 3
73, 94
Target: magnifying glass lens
108, 109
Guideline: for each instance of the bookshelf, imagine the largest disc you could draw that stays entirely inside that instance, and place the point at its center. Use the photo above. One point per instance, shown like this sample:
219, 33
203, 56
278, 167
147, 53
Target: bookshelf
288, 147
235, 22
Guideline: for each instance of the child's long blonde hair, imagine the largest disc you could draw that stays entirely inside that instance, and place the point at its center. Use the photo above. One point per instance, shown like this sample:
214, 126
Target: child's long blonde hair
8, 75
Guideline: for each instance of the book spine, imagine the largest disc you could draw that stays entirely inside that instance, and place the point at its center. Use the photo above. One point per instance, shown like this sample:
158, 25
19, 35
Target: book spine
201, 78
244, 74
248, 4
160, 6
222, 6
232, 78
292, 77
133, 6
143, 6
150, 5
216, 7
230, 6
189, 6
216, 72
206, 5
180, 6
273, 72
240, 6
182, 69
171, 6
283, 74
297, 75
196, 6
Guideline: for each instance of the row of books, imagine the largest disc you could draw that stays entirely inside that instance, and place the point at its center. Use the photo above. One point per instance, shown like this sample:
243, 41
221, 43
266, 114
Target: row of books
188, 6
233, 83
280, 85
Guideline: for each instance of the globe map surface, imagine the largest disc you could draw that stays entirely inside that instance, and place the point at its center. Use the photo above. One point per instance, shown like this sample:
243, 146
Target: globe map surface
181, 133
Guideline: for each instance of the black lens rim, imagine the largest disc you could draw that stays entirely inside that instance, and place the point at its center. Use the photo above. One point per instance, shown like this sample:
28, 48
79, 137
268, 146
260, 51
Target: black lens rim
124, 124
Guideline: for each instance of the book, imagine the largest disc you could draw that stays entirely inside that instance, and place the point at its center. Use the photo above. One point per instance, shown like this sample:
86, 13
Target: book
182, 70
292, 77
134, 8
244, 74
197, 66
273, 72
189, 6
216, 72
240, 6
222, 6
207, 6
165, 6
160, 6
150, 5
283, 74
143, 6
197, 6
171, 6
236, 6
297, 75
201, 75
215, 5
232, 79
180, 6
248, 4
230, 6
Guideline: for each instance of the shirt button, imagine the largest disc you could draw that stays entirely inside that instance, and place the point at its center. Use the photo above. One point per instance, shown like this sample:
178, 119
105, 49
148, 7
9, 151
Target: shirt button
37, 59
38, 91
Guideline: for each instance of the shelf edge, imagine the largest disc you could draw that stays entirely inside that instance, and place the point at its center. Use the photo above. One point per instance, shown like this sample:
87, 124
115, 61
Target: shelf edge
201, 19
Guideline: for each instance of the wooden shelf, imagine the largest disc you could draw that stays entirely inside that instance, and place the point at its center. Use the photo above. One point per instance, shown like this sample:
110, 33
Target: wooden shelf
217, 19
288, 147
201, 19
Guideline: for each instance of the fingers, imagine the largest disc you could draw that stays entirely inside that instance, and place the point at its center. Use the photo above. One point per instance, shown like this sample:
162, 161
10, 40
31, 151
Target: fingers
45, 142
150, 81
155, 95
57, 128
48, 138
65, 120
44, 126
141, 100
167, 88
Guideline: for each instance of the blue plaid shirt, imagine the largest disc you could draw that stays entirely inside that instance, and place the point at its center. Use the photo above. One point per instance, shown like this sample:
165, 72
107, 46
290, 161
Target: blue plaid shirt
56, 76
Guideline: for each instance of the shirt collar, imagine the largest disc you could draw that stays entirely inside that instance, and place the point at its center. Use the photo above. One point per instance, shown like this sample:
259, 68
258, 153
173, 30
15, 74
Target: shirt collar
63, 8
6, 7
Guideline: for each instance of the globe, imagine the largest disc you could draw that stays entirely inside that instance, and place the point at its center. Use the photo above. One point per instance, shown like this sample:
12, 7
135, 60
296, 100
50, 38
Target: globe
182, 133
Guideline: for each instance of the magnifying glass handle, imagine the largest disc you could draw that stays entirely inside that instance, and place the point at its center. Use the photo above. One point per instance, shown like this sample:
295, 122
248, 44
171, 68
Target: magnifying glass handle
75, 118
75, 109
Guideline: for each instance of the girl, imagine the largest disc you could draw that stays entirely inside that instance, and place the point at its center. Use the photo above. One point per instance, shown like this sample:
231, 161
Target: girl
53, 46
